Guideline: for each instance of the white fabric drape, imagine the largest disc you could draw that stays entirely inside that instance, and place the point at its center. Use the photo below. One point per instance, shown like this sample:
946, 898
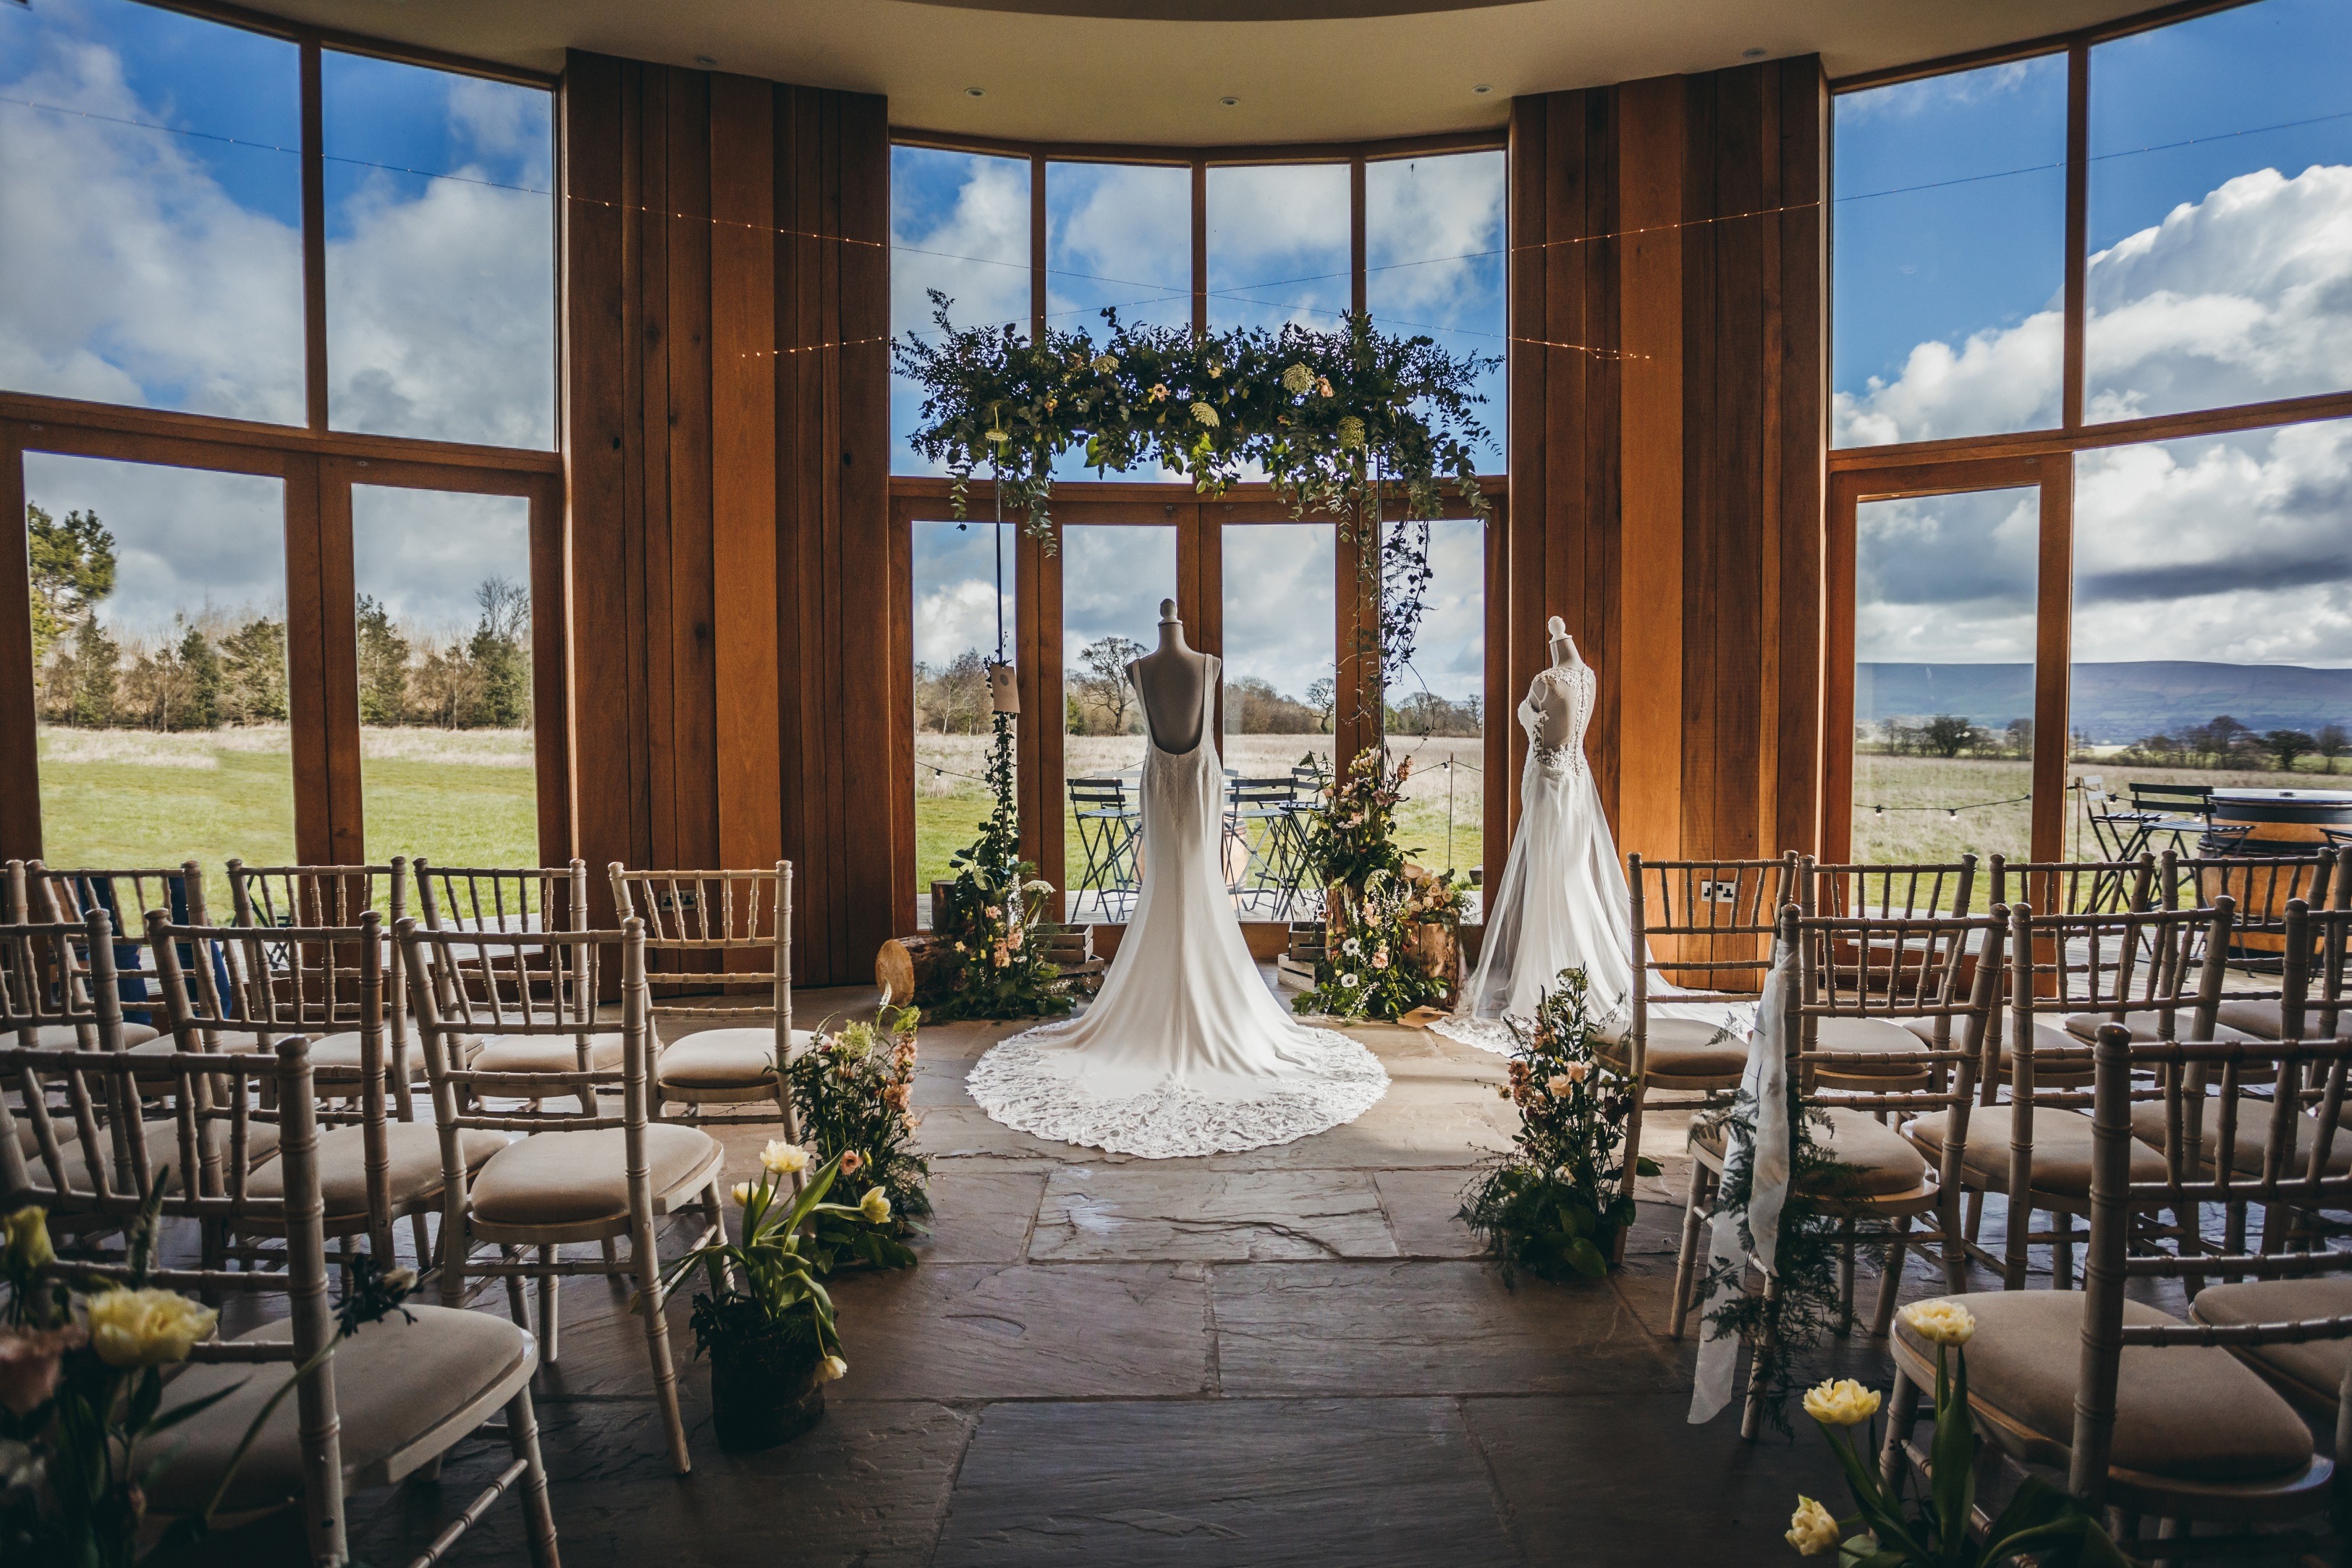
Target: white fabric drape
1185, 1051
1765, 1085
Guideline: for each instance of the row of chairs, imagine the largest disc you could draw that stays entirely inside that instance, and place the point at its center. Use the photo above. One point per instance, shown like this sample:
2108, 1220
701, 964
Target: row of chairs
500, 987
1946, 1057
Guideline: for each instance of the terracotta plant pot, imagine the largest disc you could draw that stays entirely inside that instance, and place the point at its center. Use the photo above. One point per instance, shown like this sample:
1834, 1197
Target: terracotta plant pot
763, 1391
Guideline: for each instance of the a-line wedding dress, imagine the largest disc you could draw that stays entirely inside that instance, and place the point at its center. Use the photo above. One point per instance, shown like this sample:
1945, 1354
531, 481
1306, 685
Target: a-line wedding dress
1185, 1051
1562, 901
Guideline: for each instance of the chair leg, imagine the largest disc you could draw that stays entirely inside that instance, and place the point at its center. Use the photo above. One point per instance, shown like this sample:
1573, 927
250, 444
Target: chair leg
1845, 1278
648, 1259
1890, 1284
516, 1307
2062, 1252
550, 1295
1751, 1416
420, 1233
1686, 1257
2019, 1219
1956, 1249
1975, 1214
1902, 1413
538, 1518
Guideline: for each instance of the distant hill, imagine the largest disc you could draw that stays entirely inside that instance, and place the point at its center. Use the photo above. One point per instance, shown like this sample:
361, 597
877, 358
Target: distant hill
2112, 704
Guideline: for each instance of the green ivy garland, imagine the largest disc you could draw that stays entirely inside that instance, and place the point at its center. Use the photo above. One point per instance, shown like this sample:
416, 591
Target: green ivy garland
1352, 422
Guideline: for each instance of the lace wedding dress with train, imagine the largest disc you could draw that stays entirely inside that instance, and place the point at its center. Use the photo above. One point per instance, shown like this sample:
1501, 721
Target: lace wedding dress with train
1562, 901
1185, 1051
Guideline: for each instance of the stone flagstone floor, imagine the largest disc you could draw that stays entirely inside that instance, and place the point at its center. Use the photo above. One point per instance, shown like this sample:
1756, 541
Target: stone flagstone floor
1292, 1355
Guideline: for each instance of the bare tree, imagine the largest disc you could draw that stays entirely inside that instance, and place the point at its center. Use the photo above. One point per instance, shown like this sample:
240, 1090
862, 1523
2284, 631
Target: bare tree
1104, 678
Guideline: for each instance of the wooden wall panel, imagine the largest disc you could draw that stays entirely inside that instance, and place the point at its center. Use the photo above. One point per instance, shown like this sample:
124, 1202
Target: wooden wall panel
1666, 416
732, 678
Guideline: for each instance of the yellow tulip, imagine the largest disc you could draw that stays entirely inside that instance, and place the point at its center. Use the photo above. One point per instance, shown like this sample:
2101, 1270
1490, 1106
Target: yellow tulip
146, 1328
28, 1240
1941, 1322
875, 1206
1812, 1529
1840, 1402
783, 1159
831, 1368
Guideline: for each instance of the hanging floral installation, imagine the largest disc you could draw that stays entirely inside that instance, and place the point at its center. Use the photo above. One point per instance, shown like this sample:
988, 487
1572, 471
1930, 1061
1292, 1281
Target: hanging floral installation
1352, 422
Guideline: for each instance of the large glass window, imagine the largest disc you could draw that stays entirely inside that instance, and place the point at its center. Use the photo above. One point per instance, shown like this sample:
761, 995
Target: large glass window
151, 179
1279, 247
1435, 264
1280, 693
1949, 244
158, 636
1943, 683
1437, 705
2220, 197
1118, 235
1113, 579
445, 757
440, 253
2214, 612
961, 619
960, 225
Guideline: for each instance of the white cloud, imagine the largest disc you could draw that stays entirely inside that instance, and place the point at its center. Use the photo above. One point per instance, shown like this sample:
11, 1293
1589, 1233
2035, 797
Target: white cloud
423, 552
976, 252
132, 276
1431, 227
186, 540
955, 617
1279, 609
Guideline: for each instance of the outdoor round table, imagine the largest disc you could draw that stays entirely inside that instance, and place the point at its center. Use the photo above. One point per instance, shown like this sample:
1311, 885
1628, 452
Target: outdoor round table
2282, 822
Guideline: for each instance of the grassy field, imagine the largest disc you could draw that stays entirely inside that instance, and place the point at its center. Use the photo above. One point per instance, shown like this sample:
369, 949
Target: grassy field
950, 802
132, 797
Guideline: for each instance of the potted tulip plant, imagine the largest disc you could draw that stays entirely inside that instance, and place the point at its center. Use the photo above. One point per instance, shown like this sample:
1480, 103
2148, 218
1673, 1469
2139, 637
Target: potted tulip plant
767, 1321
2043, 1523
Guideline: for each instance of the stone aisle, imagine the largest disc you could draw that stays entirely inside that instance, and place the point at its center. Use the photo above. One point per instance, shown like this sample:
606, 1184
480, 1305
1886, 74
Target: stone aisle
1286, 1357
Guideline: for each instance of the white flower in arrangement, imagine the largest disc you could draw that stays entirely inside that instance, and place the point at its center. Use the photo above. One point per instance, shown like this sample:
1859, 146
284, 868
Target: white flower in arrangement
831, 1368
1351, 431
1037, 884
1560, 1083
1840, 1402
874, 1206
1350, 981
1298, 380
1351, 947
1204, 414
783, 1159
742, 1194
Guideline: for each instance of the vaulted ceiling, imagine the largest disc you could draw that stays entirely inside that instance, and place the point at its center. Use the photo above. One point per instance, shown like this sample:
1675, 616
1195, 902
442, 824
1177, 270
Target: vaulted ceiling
1159, 70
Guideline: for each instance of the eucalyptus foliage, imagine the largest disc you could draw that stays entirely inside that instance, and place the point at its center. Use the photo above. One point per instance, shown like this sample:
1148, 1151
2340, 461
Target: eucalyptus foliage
1353, 423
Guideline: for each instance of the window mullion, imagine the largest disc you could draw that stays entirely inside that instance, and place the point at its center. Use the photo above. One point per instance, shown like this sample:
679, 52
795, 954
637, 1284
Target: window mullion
314, 240
2078, 184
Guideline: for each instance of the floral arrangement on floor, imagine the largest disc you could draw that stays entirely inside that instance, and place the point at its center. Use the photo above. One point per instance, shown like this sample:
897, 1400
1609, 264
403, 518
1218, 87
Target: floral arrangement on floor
766, 1322
852, 1088
2042, 1520
1350, 421
1556, 1204
1397, 953
82, 1386
991, 964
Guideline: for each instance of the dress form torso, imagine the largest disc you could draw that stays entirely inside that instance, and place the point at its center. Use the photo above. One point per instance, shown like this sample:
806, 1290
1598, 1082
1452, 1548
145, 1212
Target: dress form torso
1558, 702
1172, 681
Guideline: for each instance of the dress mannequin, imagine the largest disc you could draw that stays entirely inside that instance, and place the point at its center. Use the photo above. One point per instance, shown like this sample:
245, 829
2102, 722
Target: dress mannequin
1553, 698
1170, 680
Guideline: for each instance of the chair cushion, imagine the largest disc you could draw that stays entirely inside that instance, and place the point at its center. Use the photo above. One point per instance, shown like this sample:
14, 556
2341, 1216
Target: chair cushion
2252, 1144
1685, 1047
62, 1036
2062, 1149
2146, 1024
546, 1053
2046, 1036
413, 1166
394, 1382
1879, 1162
2189, 1412
163, 1149
1871, 1037
2311, 1373
724, 1058
2259, 1019
573, 1178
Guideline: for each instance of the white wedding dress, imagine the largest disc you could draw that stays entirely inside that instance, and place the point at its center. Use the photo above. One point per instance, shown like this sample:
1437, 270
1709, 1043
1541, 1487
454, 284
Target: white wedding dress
1185, 1051
1562, 901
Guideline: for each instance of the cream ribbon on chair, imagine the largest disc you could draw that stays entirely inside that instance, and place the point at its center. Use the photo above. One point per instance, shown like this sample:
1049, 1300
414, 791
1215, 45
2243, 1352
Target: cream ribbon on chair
1764, 1085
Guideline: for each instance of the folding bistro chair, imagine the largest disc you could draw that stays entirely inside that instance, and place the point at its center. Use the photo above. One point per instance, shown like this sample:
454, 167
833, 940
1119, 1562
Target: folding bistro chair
590, 1176
1109, 831
704, 917
1261, 811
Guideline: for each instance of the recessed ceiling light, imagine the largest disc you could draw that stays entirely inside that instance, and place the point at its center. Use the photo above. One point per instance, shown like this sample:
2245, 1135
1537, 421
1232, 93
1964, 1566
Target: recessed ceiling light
1229, 102
975, 92
1483, 87
1751, 54
706, 60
